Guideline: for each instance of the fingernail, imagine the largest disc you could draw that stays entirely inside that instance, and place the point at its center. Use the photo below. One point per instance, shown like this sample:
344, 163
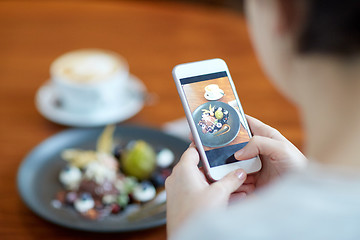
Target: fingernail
240, 173
239, 153
242, 195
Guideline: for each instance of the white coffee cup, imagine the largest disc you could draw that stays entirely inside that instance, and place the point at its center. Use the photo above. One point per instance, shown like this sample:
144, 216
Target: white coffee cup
213, 91
88, 79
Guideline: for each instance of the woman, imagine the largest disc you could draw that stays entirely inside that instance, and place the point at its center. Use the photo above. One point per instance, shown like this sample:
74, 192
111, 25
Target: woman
311, 50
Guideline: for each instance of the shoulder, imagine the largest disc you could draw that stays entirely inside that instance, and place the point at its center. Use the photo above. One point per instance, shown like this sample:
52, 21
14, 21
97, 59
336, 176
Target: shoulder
299, 206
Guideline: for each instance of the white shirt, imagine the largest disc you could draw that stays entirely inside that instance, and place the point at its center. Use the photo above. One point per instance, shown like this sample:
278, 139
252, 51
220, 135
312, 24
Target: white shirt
319, 203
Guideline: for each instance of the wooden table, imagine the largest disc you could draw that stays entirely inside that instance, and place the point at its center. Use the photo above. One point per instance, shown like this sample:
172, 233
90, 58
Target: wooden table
153, 37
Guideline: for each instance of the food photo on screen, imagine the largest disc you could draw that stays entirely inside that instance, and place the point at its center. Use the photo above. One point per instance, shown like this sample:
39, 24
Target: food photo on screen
217, 116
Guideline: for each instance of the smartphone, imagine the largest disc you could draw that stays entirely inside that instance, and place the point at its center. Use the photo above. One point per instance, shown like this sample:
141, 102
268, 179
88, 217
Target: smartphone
216, 118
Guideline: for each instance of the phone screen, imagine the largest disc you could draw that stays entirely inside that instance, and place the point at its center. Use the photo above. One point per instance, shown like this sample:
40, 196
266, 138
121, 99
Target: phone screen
217, 116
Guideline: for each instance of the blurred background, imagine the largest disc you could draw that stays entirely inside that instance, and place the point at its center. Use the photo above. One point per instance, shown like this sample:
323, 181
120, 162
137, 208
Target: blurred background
153, 37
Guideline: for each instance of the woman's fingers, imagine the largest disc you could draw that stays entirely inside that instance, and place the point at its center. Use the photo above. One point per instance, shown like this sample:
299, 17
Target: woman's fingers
259, 145
230, 183
191, 137
259, 128
250, 179
246, 188
282, 154
190, 157
236, 197
186, 172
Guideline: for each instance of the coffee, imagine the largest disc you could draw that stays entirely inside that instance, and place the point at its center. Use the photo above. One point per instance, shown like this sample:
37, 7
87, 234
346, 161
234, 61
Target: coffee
89, 79
212, 88
87, 66
213, 91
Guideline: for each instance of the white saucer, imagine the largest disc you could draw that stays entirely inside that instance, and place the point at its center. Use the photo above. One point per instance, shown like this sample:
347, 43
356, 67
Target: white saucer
220, 95
46, 103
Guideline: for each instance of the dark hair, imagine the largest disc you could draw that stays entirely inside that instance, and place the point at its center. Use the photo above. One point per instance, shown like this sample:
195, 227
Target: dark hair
331, 27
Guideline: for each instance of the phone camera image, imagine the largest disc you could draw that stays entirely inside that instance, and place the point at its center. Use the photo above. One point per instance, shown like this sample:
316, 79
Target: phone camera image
217, 116
217, 123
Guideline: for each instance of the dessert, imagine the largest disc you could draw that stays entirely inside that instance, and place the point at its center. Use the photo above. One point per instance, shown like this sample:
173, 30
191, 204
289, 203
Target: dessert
214, 120
102, 182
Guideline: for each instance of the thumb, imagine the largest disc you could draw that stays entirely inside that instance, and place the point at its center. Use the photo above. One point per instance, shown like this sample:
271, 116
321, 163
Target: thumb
259, 145
231, 182
190, 157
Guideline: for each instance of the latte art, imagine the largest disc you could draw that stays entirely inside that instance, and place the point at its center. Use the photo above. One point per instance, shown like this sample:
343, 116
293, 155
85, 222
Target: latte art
213, 92
89, 79
86, 66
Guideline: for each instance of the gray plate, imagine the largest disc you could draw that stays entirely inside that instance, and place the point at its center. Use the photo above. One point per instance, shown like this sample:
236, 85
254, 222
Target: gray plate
209, 139
38, 183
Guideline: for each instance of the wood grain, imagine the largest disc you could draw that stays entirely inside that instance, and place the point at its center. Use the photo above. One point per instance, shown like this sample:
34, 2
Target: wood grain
153, 37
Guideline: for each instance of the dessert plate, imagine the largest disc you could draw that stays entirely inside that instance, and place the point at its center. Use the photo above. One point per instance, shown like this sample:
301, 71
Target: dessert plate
38, 183
48, 105
213, 140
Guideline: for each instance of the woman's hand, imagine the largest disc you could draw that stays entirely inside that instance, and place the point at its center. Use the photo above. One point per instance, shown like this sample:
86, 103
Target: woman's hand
278, 155
188, 190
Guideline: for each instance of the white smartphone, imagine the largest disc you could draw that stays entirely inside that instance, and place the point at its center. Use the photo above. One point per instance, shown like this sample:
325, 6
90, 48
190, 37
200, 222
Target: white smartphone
215, 116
